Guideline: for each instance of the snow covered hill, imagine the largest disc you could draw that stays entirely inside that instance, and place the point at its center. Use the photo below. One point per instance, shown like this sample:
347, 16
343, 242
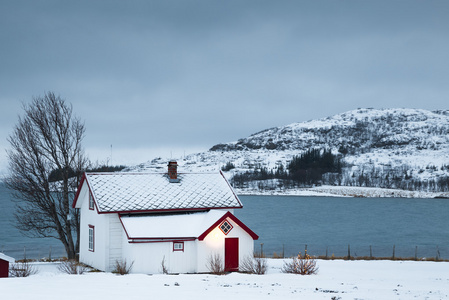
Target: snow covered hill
389, 148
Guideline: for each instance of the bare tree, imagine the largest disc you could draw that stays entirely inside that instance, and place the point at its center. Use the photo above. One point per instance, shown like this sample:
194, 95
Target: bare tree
47, 141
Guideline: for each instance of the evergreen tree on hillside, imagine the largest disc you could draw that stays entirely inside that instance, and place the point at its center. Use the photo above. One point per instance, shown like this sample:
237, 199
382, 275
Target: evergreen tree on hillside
309, 167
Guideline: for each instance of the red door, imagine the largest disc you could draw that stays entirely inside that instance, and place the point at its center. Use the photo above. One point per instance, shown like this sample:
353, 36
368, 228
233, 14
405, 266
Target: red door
231, 254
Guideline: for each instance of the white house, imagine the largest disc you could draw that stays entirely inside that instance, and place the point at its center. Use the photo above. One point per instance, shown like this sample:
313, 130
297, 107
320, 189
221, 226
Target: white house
146, 218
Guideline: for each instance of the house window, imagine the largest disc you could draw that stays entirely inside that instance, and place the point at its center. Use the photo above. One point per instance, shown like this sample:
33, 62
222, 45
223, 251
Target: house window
91, 238
91, 201
225, 227
178, 246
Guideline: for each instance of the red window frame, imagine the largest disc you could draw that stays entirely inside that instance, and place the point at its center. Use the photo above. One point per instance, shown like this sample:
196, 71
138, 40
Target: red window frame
91, 201
221, 224
178, 242
92, 249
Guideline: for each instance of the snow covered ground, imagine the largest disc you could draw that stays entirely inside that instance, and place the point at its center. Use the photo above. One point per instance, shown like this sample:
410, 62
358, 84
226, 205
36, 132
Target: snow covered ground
336, 279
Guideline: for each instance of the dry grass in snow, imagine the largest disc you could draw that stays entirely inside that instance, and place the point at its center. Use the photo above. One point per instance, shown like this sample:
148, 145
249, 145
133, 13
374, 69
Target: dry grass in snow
335, 279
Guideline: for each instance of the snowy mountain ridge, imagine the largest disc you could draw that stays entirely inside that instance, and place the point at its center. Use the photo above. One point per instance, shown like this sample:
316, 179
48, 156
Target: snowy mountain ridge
380, 144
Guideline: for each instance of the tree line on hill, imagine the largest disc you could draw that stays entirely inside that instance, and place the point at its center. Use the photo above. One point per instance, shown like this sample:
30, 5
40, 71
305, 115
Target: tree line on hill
57, 174
322, 167
303, 170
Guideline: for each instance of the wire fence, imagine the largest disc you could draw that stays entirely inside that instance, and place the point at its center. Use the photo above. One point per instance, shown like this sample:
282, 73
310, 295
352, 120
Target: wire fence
422, 252
34, 252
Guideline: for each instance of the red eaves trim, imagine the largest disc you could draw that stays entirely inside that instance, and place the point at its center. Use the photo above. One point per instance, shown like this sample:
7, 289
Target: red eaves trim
133, 241
84, 178
162, 238
126, 232
165, 210
79, 190
232, 190
233, 218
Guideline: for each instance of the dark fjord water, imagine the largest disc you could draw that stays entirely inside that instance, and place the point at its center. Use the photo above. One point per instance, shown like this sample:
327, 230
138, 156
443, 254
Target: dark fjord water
292, 222
334, 223
14, 243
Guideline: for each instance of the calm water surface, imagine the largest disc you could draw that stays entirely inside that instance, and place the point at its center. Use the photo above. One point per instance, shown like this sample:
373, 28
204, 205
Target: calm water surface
290, 223
330, 223
14, 243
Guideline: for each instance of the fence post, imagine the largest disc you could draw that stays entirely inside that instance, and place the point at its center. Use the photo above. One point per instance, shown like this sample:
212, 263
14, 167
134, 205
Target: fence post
327, 250
349, 252
283, 251
437, 257
416, 252
394, 246
370, 252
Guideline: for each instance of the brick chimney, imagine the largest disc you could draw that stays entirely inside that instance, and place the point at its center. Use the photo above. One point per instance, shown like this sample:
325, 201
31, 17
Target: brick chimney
173, 171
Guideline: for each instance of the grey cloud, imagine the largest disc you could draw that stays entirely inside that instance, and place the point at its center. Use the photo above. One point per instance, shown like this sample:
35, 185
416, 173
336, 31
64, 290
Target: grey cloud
185, 73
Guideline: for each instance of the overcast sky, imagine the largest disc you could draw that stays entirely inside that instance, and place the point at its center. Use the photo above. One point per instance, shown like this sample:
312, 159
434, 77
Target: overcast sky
164, 78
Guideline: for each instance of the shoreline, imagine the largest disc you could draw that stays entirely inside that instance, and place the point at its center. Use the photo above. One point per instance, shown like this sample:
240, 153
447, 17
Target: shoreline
343, 191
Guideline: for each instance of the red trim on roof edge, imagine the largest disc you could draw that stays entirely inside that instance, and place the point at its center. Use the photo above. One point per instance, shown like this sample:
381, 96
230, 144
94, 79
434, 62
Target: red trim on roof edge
165, 210
163, 238
233, 218
84, 178
79, 190
123, 225
232, 190
162, 241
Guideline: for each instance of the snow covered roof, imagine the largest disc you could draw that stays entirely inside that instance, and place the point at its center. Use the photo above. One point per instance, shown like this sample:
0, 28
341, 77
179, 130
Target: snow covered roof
173, 226
135, 192
7, 258
178, 226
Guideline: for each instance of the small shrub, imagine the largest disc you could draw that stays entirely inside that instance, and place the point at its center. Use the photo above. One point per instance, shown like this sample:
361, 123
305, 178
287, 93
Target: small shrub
163, 266
122, 268
304, 265
254, 265
215, 264
22, 269
71, 266
229, 166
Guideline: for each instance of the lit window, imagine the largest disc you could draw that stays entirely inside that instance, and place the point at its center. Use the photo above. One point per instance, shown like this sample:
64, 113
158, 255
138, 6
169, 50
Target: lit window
225, 227
91, 237
91, 201
178, 246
